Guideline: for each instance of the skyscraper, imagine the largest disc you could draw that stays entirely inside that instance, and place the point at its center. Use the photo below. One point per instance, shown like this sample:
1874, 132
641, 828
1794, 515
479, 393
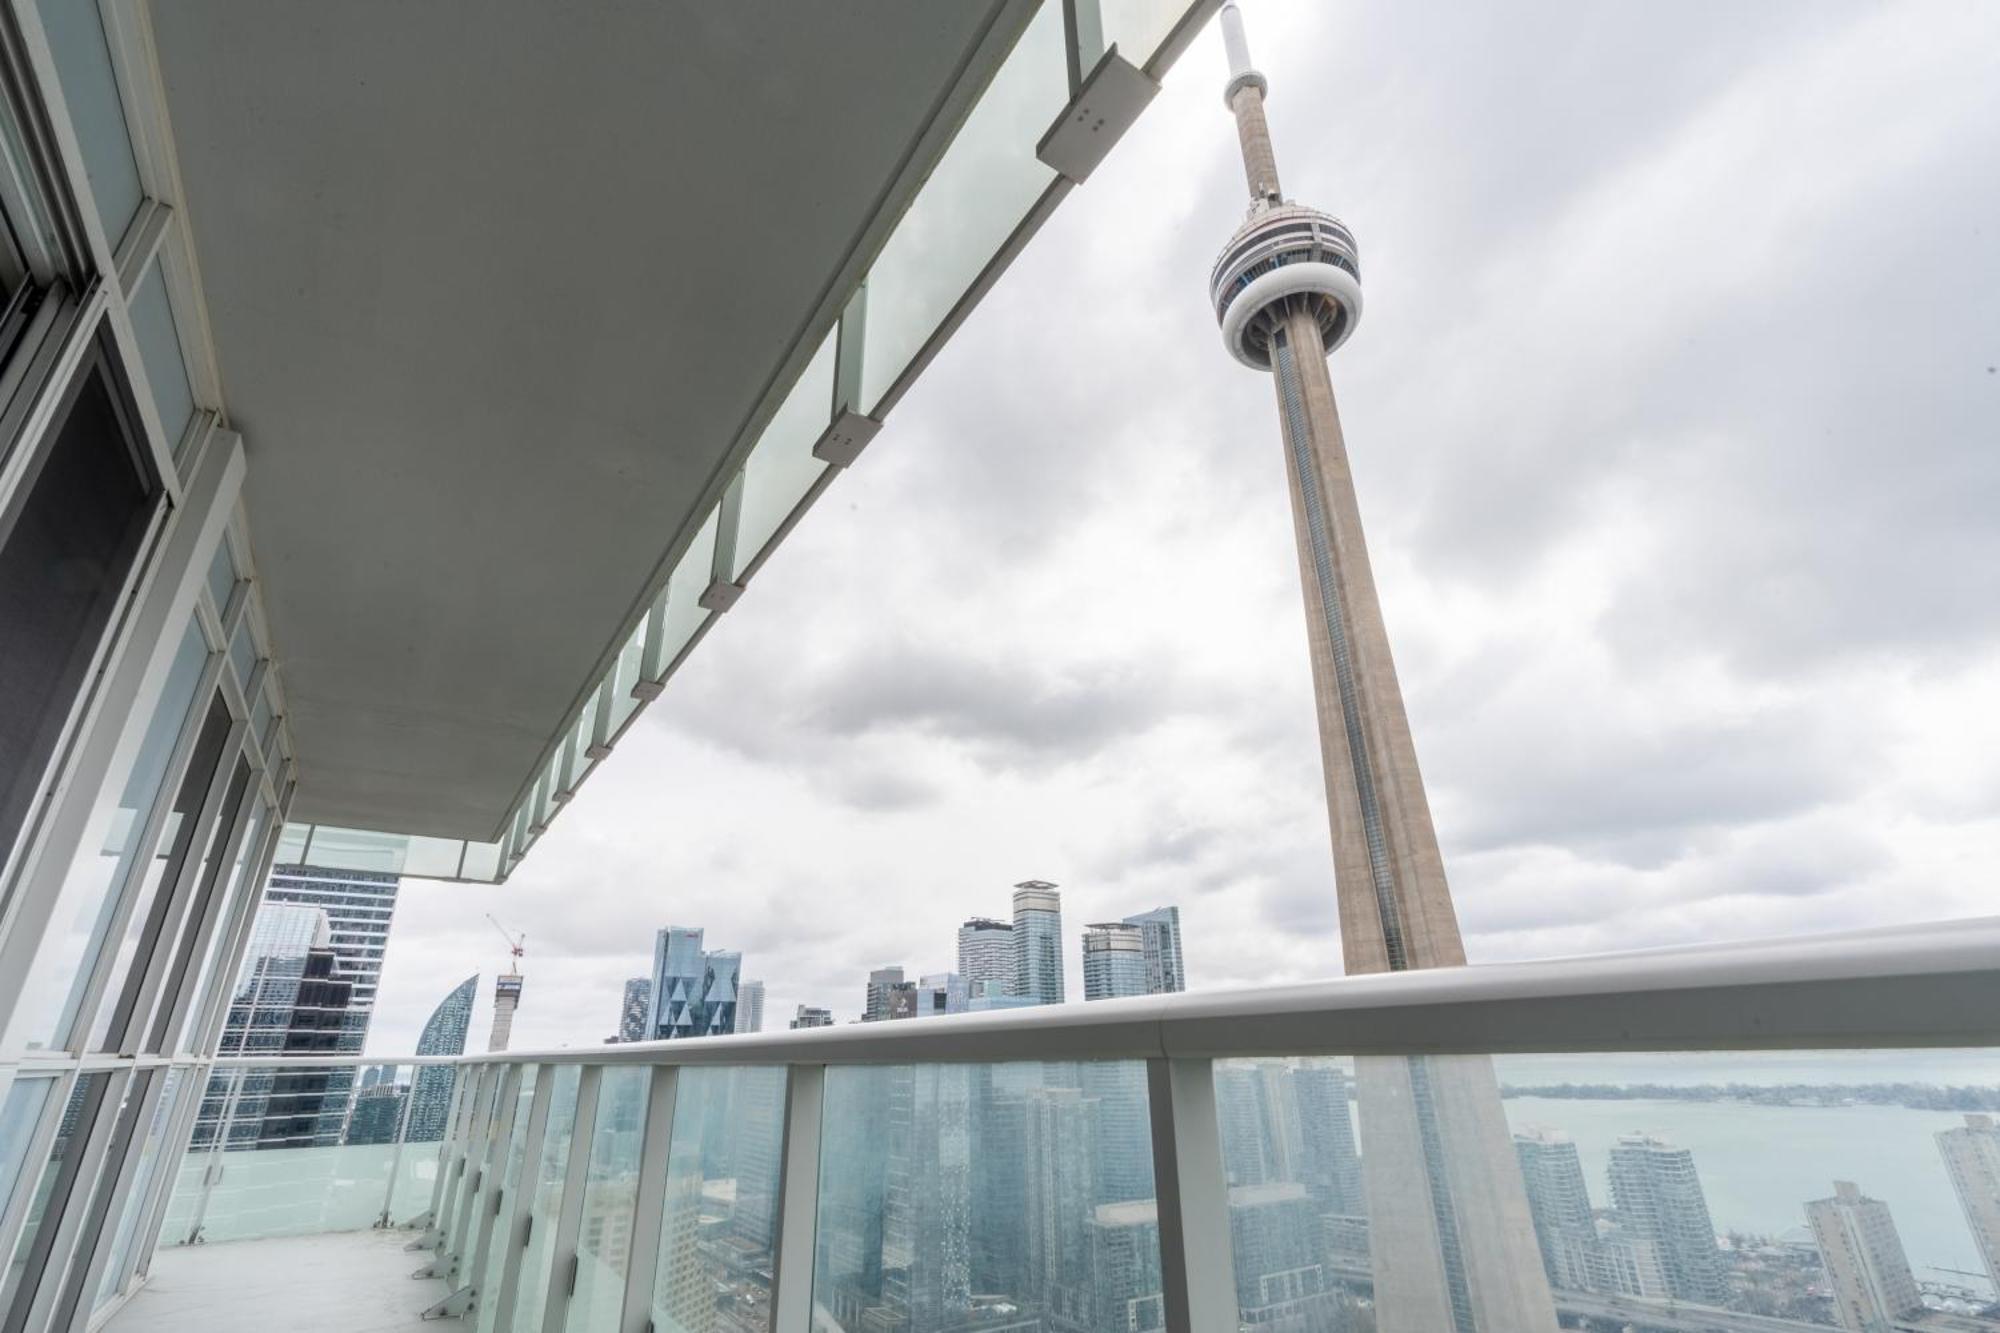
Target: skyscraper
633, 1008
750, 1007
1160, 930
1559, 1202
1061, 1155
360, 906
986, 956
1658, 1195
941, 993
1114, 961
272, 1009
1865, 1264
506, 999
1452, 1236
1972, 1160
810, 1016
694, 991
882, 984
1038, 971
443, 1034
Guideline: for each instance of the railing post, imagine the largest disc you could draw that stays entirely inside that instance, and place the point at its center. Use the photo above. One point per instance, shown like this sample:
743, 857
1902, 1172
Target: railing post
211, 1171
1197, 1270
477, 1223
569, 1220
402, 1141
478, 1130
512, 1225
798, 1200
649, 1200
466, 1076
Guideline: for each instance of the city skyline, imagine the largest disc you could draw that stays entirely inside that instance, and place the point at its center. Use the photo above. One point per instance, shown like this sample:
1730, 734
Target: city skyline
1776, 776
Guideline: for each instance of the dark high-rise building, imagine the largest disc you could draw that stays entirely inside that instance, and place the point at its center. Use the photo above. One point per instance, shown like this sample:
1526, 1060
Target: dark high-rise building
882, 985
1447, 1217
1038, 969
633, 1007
443, 1034
284, 1002
1658, 1195
360, 906
377, 1116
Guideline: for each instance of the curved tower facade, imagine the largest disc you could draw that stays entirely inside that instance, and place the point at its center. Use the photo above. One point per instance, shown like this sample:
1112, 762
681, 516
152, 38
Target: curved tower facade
1452, 1238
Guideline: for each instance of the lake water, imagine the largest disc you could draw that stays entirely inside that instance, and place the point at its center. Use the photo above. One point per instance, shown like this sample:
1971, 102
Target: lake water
1759, 1164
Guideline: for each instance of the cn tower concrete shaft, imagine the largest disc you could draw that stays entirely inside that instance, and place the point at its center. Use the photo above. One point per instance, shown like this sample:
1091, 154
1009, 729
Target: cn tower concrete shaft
1451, 1238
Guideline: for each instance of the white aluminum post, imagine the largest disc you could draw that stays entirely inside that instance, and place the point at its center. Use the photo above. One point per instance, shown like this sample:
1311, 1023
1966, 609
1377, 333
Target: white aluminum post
798, 1200
569, 1219
211, 1173
492, 1182
402, 1145
466, 1077
517, 1207
464, 1140
478, 1148
649, 1200
168, 1180
1197, 1271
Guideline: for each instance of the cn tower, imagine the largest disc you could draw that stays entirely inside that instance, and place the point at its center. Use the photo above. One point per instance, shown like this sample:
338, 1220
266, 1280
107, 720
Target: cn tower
1452, 1239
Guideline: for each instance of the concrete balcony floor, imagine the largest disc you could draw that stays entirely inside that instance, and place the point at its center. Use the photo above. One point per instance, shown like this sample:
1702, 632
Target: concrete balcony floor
344, 1282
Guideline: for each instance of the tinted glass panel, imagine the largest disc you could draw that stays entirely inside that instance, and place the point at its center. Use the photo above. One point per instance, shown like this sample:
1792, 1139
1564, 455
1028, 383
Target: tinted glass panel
65, 551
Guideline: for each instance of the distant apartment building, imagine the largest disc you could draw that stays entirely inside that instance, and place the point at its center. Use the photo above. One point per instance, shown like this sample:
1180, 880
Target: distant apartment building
750, 1007
1873, 1288
883, 983
1972, 1160
1114, 961
1658, 1195
633, 1007
986, 956
810, 1016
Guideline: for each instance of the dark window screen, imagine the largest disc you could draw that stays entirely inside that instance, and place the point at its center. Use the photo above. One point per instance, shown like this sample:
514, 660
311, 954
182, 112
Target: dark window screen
66, 547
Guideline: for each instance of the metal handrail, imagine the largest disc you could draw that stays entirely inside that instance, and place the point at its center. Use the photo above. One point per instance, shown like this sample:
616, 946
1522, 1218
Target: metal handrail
1933, 985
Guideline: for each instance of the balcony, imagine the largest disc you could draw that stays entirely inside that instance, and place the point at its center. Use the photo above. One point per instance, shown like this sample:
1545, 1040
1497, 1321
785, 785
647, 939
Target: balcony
1332, 1156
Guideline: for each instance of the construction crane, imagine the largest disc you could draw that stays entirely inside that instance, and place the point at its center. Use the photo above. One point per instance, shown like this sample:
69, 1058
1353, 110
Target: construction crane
516, 944
506, 989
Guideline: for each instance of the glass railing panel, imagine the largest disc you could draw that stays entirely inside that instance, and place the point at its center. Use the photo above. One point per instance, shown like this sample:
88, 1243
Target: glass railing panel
490, 1262
983, 186
781, 469
954, 1196
1735, 1190
1137, 27
719, 1216
546, 1204
604, 1242
691, 577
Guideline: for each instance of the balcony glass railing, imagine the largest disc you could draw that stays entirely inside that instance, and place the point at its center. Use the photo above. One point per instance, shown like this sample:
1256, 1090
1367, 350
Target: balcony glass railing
1750, 1139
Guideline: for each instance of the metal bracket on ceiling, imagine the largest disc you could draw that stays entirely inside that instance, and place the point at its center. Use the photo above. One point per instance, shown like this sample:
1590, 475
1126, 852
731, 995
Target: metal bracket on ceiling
1107, 105
844, 439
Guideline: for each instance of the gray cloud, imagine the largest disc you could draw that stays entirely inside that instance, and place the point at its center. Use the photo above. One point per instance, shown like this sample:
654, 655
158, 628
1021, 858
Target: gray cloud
1674, 433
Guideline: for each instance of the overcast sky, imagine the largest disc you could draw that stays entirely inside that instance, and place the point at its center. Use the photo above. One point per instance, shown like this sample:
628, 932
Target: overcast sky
1676, 422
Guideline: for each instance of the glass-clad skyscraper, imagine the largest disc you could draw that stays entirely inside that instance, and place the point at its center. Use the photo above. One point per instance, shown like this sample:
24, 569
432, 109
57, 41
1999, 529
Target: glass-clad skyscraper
1114, 961
443, 1034
1038, 968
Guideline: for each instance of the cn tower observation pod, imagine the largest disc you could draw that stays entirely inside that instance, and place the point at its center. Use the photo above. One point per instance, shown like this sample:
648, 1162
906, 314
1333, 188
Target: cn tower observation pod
1285, 255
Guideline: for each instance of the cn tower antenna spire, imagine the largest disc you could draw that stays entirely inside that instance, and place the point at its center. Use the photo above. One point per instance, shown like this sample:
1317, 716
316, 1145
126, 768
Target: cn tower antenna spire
1245, 96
